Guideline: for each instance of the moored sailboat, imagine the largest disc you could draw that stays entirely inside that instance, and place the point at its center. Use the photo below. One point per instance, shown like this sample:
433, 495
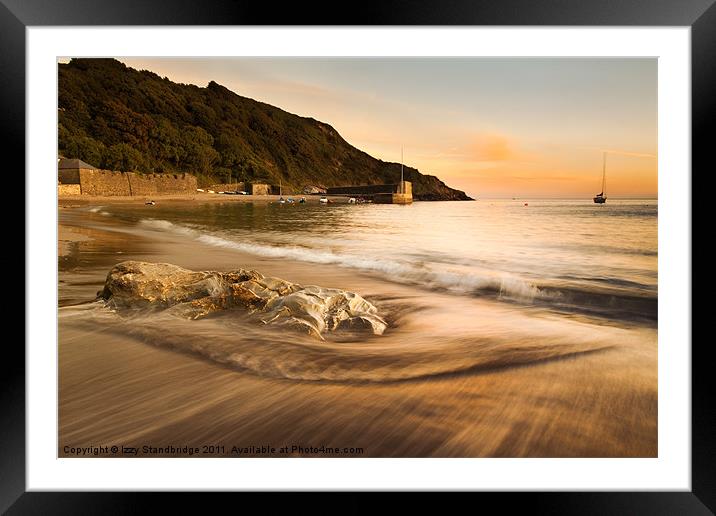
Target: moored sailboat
601, 198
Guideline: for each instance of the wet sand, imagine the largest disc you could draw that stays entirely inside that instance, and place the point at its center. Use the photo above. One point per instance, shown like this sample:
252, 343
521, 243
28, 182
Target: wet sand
117, 389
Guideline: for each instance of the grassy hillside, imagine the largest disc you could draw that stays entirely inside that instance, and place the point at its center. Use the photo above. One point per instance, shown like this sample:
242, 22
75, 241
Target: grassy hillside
119, 118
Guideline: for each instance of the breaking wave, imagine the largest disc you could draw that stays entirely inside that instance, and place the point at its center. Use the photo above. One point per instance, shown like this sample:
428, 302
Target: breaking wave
504, 285
595, 296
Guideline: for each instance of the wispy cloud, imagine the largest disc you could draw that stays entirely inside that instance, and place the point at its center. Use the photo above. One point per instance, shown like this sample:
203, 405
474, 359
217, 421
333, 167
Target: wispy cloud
621, 152
626, 153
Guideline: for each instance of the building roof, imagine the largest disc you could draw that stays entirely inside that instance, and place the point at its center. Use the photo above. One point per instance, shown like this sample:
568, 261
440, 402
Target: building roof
73, 163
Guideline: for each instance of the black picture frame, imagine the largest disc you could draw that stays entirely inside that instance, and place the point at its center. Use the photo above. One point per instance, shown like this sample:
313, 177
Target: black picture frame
700, 15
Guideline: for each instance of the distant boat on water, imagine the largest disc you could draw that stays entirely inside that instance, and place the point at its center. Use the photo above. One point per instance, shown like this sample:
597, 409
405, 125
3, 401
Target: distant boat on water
601, 198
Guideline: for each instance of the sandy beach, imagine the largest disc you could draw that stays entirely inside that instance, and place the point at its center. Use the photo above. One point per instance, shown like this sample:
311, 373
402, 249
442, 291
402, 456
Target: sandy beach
160, 387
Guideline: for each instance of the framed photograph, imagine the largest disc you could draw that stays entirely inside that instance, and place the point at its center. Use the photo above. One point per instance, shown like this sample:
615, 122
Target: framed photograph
434, 250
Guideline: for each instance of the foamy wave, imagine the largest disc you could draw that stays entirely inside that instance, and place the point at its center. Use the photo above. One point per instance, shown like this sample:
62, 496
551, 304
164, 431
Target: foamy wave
98, 209
503, 285
165, 225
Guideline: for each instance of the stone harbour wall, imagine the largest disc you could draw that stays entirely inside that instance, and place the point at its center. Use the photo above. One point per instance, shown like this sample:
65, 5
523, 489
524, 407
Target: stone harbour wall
227, 187
69, 176
362, 189
260, 189
158, 184
406, 187
63, 190
104, 183
110, 183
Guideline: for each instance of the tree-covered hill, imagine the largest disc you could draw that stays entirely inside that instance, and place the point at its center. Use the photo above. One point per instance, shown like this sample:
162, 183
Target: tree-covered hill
119, 118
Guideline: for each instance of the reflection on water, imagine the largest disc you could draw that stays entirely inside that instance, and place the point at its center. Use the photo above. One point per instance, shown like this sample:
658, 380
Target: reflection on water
513, 330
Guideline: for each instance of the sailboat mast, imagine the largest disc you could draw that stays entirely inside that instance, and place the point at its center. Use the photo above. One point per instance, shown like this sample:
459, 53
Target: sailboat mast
604, 171
401, 169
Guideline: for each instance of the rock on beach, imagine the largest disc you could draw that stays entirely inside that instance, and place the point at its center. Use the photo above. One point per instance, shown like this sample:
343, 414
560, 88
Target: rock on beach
274, 301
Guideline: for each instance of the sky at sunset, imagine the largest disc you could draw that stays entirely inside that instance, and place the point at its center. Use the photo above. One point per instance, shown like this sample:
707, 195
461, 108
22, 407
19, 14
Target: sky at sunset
494, 127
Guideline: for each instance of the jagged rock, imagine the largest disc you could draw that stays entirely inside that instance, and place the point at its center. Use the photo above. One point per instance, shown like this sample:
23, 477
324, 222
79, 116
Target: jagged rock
192, 294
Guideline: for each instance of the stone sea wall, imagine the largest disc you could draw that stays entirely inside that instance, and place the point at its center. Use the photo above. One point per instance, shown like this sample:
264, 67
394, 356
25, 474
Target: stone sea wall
227, 187
260, 189
104, 182
407, 188
110, 183
152, 184
69, 176
63, 190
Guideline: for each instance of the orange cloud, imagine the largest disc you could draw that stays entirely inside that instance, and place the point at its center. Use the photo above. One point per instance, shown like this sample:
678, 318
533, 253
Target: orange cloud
492, 147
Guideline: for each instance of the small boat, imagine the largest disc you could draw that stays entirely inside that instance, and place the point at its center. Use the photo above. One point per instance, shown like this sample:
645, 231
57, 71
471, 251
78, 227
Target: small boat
601, 197
303, 200
150, 203
352, 200
323, 200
